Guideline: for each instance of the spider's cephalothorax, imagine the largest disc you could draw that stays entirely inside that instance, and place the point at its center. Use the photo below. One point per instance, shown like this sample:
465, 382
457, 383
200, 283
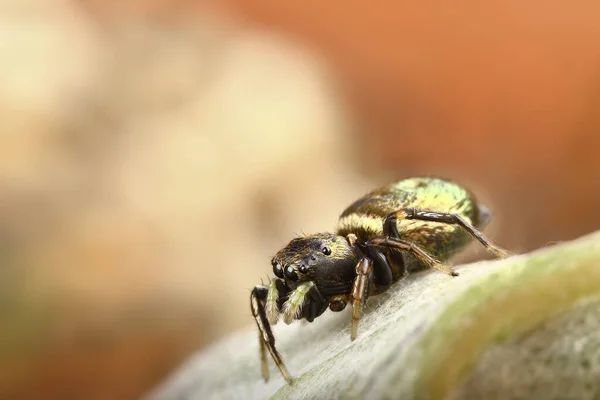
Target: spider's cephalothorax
409, 225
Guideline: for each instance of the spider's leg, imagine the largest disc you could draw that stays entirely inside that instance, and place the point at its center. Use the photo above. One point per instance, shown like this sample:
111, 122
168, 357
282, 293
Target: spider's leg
258, 298
403, 245
444, 218
360, 291
271, 306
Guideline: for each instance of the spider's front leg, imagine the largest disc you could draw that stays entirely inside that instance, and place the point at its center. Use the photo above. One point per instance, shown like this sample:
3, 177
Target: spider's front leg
305, 301
259, 298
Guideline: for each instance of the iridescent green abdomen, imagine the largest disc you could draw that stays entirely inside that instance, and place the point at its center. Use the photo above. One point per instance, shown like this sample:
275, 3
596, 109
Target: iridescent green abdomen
365, 216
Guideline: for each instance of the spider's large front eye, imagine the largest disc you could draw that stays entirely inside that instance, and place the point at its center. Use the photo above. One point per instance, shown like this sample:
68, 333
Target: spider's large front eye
290, 273
277, 270
303, 269
326, 250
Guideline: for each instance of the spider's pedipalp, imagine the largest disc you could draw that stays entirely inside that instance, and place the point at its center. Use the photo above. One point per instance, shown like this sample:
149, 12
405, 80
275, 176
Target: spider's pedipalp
292, 307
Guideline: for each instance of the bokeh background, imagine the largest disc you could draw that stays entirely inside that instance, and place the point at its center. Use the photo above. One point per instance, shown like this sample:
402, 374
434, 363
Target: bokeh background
155, 154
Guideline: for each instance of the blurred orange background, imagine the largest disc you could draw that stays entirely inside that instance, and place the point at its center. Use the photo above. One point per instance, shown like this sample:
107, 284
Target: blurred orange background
154, 155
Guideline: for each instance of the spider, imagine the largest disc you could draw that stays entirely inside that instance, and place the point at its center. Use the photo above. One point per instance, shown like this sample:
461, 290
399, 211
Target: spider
406, 226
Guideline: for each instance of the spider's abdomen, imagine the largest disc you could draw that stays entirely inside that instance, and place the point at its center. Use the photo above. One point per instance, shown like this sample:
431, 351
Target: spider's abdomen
365, 217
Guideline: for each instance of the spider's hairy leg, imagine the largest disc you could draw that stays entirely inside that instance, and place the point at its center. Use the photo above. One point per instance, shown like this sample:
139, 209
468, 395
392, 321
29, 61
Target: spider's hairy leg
258, 298
264, 368
447, 218
403, 245
271, 307
293, 305
360, 291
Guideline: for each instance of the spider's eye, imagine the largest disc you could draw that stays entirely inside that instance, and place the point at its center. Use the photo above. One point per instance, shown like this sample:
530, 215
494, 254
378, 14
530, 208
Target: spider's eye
326, 250
277, 270
291, 274
303, 269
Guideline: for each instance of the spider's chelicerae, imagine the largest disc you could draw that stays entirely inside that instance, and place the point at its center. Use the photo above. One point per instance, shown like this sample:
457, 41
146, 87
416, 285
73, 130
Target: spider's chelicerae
406, 226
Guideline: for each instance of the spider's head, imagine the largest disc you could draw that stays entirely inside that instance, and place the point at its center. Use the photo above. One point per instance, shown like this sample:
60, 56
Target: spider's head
325, 258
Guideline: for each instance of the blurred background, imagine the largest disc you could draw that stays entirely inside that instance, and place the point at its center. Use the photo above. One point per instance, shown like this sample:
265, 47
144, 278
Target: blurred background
155, 154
